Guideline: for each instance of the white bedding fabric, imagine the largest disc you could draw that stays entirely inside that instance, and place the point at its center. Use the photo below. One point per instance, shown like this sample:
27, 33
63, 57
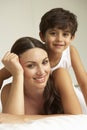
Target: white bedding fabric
71, 122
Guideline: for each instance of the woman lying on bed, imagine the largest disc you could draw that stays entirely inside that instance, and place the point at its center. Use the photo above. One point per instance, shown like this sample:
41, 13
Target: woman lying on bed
32, 93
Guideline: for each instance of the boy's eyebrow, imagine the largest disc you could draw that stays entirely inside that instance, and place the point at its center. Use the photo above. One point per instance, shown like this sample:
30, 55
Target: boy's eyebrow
52, 29
67, 31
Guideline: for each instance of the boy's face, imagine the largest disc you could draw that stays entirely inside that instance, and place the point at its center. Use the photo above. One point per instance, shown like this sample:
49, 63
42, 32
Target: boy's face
57, 40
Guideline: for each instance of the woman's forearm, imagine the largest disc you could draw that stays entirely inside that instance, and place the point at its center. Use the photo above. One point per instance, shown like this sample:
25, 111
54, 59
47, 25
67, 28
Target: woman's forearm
15, 100
10, 118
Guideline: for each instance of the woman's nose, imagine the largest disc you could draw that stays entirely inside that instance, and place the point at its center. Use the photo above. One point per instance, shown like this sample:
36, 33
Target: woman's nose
40, 70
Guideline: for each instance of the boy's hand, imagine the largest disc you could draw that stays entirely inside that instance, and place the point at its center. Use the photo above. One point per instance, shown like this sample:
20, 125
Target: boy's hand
4, 74
1, 81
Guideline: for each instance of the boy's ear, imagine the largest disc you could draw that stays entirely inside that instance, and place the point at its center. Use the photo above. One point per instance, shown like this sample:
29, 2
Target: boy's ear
73, 37
41, 36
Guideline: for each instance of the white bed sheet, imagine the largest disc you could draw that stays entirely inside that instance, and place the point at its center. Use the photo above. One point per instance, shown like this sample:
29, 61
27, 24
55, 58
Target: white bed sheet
71, 122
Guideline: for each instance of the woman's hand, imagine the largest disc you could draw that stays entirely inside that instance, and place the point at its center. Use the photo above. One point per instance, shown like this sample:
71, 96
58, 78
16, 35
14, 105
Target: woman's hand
12, 64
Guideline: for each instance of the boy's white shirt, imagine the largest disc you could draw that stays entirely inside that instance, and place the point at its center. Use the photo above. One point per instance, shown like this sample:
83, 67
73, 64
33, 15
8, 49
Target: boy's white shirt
65, 61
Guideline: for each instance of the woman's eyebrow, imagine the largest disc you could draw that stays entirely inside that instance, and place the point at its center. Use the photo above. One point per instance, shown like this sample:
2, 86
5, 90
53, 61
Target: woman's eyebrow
35, 61
30, 62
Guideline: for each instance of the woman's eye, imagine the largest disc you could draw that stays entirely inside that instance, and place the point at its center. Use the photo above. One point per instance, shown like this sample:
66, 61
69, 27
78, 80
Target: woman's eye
45, 62
30, 66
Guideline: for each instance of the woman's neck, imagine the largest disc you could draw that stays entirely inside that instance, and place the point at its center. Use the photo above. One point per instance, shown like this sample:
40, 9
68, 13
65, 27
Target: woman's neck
33, 93
34, 104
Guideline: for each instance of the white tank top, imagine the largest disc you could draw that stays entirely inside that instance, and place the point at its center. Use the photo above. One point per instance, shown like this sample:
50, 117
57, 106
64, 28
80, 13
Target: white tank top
65, 61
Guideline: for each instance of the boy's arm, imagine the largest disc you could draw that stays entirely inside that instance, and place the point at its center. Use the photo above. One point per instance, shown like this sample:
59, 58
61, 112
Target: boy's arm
79, 70
4, 74
63, 84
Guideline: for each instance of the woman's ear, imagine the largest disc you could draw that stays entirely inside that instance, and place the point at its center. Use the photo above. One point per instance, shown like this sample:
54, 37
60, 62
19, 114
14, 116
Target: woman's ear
41, 36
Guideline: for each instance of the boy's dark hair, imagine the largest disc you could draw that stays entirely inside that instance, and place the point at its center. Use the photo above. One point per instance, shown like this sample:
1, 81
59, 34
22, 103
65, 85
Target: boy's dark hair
60, 18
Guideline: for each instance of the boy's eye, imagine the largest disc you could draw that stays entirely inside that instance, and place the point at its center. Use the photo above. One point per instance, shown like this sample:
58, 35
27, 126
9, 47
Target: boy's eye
53, 33
65, 34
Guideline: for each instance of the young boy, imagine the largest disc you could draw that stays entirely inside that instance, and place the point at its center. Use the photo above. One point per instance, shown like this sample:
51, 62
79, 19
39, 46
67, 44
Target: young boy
57, 29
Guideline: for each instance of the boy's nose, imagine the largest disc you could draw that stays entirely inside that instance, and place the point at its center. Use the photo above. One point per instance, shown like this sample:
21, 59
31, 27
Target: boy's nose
59, 37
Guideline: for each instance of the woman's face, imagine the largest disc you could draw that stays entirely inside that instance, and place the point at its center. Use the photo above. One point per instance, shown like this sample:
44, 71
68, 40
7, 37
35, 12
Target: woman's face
36, 67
